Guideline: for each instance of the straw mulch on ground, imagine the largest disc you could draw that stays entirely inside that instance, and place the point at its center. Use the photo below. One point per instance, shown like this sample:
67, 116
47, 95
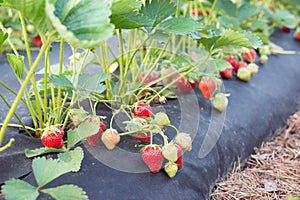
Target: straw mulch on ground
272, 173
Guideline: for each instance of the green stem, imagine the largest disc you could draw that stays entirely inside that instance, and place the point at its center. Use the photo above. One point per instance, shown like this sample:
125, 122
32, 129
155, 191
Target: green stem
59, 104
121, 62
178, 8
26, 39
20, 126
23, 87
15, 114
9, 144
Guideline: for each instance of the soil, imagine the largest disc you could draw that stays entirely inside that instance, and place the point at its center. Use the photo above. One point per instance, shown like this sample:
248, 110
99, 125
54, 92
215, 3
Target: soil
273, 172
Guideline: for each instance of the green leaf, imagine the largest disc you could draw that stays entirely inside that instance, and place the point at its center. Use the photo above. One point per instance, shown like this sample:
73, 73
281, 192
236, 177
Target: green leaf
17, 64
16, 189
46, 170
258, 24
235, 39
60, 80
72, 158
92, 83
54, 69
158, 10
41, 151
228, 7
130, 20
246, 11
228, 21
84, 24
253, 39
124, 6
34, 10
84, 130
180, 25
208, 42
222, 65
3, 37
66, 192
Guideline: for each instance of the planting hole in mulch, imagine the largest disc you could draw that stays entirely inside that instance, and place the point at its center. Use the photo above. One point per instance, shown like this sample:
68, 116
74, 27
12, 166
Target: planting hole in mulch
273, 172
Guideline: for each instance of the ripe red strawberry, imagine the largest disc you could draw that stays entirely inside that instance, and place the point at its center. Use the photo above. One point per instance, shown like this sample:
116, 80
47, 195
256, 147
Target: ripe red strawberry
297, 34
143, 137
152, 156
231, 60
185, 86
36, 40
241, 65
179, 160
110, 138
250, 56
94, 139
286, 29
195, 12
142, 109
227, 73
149, 79
207, 86
165, 71
53, 137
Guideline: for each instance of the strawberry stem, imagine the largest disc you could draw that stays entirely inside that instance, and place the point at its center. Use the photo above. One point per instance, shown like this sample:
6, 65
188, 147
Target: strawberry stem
9, 144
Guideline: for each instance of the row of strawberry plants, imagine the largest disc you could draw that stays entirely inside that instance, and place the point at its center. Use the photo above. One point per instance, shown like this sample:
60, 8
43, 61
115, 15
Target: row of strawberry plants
187, 44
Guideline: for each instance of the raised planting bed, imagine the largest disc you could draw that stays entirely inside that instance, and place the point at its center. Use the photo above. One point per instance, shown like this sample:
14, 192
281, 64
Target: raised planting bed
255, 110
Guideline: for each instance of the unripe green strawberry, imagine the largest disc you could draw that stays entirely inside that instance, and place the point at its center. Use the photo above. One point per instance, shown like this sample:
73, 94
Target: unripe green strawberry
253, 68
244, 74
30, 28
220, 101
263, 59
110, 138
264, 50
169, 152
171, 169
162, 119
184, 140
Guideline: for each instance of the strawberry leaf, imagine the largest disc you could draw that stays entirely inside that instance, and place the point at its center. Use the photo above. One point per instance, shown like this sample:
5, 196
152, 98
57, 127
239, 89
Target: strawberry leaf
237, 39
60, 80
84, 130
92, 83
72, 158
222, 65
84, 24
157, 11
16, 189
246, 11
124, 6
34, 10
41, 151
66, 192
253, 39
129, 20
3, 37
228, 7
180, 25
228, 21
67, 162
17, 64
